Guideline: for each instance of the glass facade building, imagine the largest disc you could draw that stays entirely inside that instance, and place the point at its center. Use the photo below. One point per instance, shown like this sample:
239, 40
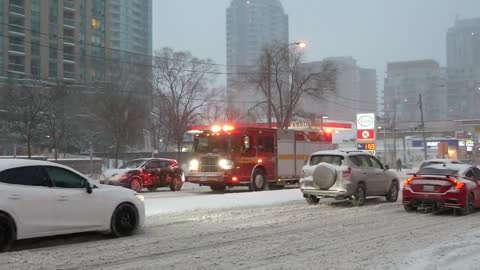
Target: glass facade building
56, 40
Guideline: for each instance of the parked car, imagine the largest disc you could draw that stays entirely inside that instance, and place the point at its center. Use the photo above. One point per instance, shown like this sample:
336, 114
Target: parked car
40, 198
429, 162
344, 174
150, 173
443, 186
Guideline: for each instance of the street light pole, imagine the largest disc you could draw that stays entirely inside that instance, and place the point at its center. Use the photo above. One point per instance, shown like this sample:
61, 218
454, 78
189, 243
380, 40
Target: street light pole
420, 104
384, 144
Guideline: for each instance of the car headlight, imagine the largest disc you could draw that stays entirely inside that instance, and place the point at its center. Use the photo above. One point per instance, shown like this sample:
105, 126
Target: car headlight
140, 197
225, 164
193, 165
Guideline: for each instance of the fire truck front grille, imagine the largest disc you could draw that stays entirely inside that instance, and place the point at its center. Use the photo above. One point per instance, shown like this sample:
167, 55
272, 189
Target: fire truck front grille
209, 164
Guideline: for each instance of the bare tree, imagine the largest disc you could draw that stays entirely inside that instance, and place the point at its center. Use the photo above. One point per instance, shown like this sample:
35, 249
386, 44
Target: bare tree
284, 79
56, 115
120, 105
25, 105
181, 83
215, 110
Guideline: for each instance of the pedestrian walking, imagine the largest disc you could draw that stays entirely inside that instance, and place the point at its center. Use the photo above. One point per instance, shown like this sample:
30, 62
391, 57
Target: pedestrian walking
399, 165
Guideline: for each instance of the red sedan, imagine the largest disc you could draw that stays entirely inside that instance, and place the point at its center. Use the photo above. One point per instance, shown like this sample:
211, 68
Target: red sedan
446, 186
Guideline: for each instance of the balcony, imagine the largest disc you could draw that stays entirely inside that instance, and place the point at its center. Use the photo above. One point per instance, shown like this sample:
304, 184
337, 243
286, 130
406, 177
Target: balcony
68, 41
69, 58
16, 30
16, 10
68, 75
68, 5
69, 23
16, 68
16, 49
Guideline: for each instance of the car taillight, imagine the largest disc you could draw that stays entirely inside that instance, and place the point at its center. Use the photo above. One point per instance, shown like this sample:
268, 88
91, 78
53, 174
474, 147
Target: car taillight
347, 172
406, 183
458, 185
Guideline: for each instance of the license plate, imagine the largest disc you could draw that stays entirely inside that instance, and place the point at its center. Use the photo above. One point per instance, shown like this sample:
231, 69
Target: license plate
203, 178
429, 188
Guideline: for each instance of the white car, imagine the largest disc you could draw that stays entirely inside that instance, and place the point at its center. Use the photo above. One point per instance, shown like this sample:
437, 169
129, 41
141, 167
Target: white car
429, 162
40, 198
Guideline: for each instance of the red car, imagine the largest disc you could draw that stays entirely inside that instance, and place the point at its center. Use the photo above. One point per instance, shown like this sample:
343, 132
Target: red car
446, 186
150, 173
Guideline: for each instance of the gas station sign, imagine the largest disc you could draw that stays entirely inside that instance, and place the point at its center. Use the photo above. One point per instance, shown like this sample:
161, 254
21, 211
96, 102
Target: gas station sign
366, 137
366, 146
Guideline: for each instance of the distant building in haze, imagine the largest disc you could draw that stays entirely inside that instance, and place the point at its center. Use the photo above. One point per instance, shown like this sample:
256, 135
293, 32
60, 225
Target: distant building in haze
405, 82
463, 69
252, 26
356, 91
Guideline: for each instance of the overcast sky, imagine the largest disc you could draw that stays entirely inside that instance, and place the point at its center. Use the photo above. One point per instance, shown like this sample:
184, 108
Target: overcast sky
372, 31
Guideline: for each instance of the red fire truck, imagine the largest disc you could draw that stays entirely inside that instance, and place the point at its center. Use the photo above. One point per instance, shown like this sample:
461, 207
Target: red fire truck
227, 156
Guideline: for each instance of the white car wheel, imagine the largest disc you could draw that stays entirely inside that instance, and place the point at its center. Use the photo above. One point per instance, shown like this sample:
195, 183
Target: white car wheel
7, 233
124, 220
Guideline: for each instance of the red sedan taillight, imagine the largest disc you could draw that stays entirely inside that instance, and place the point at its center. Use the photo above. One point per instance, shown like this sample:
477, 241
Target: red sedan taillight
406, 183
458, 185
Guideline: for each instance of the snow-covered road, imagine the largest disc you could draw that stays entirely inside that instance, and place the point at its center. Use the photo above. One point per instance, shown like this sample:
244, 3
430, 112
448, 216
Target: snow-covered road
265, 230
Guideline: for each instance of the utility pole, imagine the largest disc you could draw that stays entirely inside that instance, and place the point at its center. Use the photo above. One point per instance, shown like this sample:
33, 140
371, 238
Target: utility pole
394, 127
385, 143
269, 89
91, 158
420, 105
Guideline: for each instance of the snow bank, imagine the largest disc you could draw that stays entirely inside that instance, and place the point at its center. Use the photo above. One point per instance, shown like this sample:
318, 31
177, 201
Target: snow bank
155, 206
459, 254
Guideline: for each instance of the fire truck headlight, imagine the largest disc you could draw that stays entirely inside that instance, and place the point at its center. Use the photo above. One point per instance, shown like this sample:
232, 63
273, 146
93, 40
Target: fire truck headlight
193, 165
225, 164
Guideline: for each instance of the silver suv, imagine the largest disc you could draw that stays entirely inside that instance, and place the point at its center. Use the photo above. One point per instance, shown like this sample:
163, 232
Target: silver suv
343, 174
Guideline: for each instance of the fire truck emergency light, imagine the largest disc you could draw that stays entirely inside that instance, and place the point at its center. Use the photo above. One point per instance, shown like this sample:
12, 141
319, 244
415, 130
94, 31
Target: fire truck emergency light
225, 128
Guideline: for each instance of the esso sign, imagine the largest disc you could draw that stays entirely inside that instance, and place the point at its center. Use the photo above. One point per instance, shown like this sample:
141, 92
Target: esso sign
365, 121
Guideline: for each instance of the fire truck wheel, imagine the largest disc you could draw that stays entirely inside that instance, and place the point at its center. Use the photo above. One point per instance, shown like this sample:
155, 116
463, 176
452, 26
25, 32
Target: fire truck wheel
218, 188
258, 182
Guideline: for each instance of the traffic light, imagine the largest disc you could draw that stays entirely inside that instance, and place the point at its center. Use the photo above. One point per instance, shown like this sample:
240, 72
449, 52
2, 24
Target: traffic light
327, 136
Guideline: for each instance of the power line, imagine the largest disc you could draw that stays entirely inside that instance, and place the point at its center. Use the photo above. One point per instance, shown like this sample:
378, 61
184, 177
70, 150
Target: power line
354, 100
126, 62
129, 52
146, 95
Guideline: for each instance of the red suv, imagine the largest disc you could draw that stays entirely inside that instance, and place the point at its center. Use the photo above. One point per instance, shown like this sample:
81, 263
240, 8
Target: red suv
150, 173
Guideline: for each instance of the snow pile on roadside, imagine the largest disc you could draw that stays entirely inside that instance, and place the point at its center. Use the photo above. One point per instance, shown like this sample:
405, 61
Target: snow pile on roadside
156, 206
461, 254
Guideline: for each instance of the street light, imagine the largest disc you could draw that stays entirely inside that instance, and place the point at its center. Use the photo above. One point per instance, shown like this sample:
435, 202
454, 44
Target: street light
384, 144
301, 45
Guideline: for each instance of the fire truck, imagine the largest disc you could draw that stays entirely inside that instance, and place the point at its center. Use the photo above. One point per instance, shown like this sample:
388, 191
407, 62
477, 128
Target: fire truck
228, 156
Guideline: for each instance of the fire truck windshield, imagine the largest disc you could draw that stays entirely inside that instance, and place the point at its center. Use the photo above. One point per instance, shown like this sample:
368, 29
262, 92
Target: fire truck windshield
218, 144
